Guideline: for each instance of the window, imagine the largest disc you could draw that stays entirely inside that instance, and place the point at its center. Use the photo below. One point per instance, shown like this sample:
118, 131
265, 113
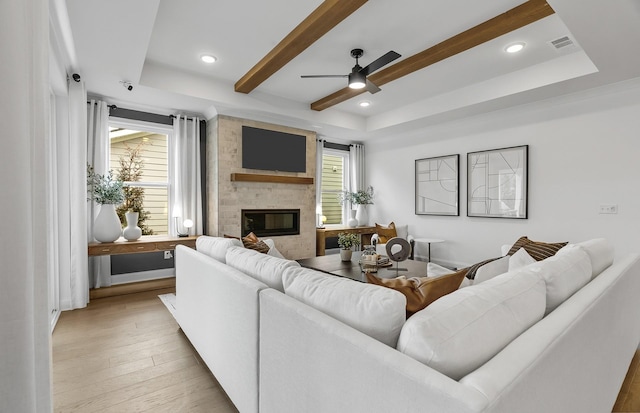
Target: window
335, 178
139, 154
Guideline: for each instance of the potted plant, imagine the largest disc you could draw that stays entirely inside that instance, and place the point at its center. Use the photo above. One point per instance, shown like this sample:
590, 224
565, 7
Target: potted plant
361, 199
346, 242
108, 192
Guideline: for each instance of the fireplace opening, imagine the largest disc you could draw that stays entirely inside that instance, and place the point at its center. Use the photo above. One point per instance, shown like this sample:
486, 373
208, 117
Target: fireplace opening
270, 222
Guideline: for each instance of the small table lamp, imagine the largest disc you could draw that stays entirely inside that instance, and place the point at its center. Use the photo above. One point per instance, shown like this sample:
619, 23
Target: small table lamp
187, 224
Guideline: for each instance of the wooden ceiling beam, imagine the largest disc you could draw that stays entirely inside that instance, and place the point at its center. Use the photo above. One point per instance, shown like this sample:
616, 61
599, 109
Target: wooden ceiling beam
316, 25
520, 16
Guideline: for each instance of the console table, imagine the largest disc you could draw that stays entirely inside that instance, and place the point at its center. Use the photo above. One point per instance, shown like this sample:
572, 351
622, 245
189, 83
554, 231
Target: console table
323, 233
146, 243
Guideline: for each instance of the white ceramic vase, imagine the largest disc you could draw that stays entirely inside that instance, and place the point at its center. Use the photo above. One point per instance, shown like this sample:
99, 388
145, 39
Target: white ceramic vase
353, 222
132, 231
361, 215
107, 227
345, 255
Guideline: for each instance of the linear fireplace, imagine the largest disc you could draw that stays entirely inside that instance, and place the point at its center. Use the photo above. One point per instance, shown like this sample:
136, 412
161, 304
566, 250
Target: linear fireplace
270, 222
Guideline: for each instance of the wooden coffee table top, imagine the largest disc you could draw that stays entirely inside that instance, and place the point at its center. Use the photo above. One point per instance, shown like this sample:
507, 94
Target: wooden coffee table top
351, 269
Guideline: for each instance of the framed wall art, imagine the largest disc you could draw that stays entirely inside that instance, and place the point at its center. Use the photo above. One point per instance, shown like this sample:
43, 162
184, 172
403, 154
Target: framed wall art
437, 190
497, 183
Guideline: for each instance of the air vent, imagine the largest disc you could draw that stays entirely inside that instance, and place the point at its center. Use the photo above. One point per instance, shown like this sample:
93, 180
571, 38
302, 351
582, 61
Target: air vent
564, 45
561, 42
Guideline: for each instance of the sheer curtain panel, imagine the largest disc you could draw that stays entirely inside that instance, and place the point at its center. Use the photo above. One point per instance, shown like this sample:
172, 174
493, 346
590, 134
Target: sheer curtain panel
186, 191
97, 155
319, 155
356, 162
75, 172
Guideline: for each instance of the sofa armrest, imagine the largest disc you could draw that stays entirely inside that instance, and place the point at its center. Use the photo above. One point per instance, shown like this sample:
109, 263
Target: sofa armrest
217, 309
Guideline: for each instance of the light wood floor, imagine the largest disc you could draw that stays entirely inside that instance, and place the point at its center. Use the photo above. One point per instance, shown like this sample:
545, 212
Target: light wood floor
127, 354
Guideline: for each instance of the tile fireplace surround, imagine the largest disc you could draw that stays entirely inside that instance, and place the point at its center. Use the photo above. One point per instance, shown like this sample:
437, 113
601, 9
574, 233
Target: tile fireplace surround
226, 198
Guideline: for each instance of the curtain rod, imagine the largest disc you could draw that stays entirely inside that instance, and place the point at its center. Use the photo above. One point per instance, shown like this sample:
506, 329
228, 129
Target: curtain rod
114, 107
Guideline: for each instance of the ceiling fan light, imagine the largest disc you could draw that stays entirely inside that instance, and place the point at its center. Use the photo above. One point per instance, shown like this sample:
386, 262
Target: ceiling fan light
357, 80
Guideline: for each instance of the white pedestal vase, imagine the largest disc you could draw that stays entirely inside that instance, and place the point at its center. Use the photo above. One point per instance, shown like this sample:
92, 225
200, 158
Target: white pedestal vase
353, 222
107, 227
345, 255
361, 215
132, 231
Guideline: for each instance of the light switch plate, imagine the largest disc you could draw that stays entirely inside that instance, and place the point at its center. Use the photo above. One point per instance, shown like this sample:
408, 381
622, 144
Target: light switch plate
608, 209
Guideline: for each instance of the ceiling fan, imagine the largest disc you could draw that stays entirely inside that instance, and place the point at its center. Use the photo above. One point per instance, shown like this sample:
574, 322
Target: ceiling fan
358, 76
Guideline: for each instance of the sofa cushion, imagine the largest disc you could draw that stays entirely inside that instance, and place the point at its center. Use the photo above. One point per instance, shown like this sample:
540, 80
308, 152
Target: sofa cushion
600, 253
262, 267
216, 247
421, 291
564, 274
375, 311
463, 330
402, 231
538, 250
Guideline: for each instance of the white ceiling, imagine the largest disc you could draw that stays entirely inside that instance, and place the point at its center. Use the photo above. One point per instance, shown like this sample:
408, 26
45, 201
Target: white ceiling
156, 45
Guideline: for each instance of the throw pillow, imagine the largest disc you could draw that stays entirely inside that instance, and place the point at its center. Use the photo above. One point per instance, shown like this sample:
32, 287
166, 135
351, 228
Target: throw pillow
492, 269
538, 250
386, 233
461, 331
251, 241
520, 259
421, 291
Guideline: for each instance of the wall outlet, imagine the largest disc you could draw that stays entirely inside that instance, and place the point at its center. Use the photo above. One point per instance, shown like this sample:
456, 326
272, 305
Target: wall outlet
608, 209
168, 255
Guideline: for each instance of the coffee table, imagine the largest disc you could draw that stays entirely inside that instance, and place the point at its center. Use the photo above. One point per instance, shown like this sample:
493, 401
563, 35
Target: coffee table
332, 264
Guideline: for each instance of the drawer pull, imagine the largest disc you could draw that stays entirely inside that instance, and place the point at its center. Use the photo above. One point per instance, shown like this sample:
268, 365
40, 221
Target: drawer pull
172, 245
106, 250
140, 248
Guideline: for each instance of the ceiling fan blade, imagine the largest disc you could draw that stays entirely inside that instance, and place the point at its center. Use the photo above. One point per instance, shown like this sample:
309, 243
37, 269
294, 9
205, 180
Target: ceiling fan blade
371, 87
316, 76
381, 61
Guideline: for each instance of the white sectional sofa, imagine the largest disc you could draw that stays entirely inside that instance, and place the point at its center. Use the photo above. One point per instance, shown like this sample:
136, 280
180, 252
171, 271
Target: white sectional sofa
554, 336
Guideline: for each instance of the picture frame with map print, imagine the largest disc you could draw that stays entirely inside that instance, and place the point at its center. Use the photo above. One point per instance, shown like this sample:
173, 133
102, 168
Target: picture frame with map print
437, 185
497, 183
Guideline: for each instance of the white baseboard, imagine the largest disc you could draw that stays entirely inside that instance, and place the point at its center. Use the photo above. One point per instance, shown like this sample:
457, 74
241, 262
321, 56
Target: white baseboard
142, 276
54, 320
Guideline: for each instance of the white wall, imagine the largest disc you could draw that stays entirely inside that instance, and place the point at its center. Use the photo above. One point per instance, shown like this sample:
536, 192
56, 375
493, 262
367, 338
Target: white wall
25, 349
583, 151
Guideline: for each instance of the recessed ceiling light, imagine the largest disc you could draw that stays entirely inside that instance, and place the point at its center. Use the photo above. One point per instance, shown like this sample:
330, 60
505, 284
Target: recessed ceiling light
514, 47
364, 103
207, 58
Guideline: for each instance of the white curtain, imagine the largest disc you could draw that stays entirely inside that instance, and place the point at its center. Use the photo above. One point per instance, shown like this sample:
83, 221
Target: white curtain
97, 155
186, 181
356, 163
72, 196
319, 154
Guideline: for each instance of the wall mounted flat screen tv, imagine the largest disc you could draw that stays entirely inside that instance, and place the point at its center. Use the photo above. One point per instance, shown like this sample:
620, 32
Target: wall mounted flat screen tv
273, 151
